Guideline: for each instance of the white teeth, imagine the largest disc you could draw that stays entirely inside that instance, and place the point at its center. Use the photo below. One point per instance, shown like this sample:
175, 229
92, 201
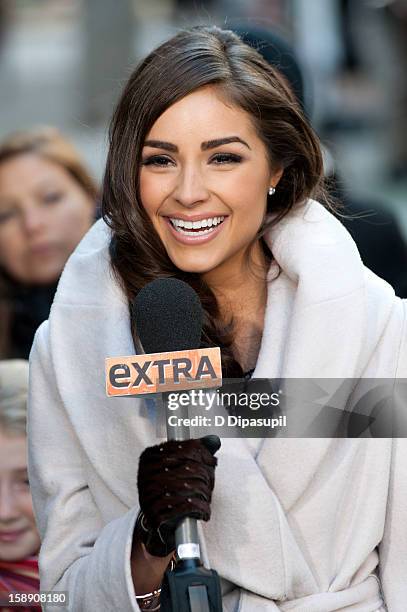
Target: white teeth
200, 233
210, 222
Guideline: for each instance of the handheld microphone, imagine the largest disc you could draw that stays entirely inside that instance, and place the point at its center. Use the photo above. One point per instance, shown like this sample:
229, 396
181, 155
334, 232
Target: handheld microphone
169, 316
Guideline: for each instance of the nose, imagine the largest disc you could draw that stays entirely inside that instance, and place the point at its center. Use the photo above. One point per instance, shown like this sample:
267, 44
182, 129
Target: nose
33, 220
190, 189
8, 506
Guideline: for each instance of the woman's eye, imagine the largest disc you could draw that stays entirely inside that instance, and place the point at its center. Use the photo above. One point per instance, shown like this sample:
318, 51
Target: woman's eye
157, 160
226, 158
6, 215
52, 197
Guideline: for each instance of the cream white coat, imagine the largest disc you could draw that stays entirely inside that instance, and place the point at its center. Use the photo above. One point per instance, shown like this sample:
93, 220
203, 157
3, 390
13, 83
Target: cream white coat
302, 525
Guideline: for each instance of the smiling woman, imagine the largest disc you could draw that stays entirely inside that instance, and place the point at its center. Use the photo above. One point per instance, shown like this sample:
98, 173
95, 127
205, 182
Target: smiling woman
195, 190
221, 141
210, 179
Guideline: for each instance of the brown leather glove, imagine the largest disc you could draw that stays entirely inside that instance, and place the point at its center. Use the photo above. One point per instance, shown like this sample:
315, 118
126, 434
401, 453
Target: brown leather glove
175, 480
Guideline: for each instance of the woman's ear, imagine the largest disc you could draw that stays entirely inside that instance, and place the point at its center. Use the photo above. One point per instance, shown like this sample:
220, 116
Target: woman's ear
275, 177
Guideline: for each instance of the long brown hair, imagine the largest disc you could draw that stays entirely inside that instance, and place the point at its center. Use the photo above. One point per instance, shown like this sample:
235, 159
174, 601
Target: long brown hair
190, 60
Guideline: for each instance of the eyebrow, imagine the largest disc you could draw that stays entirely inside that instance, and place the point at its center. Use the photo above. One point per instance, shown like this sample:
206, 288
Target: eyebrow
212, 144
208, 144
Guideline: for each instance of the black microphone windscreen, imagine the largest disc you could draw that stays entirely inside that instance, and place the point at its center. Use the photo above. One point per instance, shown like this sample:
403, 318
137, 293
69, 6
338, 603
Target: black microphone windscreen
168, 315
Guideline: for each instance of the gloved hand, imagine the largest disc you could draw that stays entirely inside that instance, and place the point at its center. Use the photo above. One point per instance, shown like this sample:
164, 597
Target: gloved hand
175, 480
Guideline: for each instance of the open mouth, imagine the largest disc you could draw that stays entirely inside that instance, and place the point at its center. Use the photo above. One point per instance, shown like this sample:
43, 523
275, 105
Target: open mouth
196, 228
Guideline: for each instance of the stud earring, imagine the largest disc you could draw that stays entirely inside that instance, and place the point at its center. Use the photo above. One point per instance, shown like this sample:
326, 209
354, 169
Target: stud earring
272, 190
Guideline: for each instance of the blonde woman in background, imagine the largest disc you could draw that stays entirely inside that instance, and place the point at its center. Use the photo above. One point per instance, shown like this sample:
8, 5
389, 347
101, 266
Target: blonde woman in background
19, 539
47, 204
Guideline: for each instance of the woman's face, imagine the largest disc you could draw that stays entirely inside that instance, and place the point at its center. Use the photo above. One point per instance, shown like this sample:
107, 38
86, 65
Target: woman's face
18, 532
44, 213
204, 180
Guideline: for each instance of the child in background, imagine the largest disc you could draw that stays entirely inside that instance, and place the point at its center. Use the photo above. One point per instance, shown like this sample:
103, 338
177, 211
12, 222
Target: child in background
19, 539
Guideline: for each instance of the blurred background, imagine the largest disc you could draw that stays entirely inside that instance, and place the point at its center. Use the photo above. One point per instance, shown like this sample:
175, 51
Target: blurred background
63, 63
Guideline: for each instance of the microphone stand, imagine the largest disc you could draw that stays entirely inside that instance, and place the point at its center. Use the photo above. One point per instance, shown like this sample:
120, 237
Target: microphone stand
190, 587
